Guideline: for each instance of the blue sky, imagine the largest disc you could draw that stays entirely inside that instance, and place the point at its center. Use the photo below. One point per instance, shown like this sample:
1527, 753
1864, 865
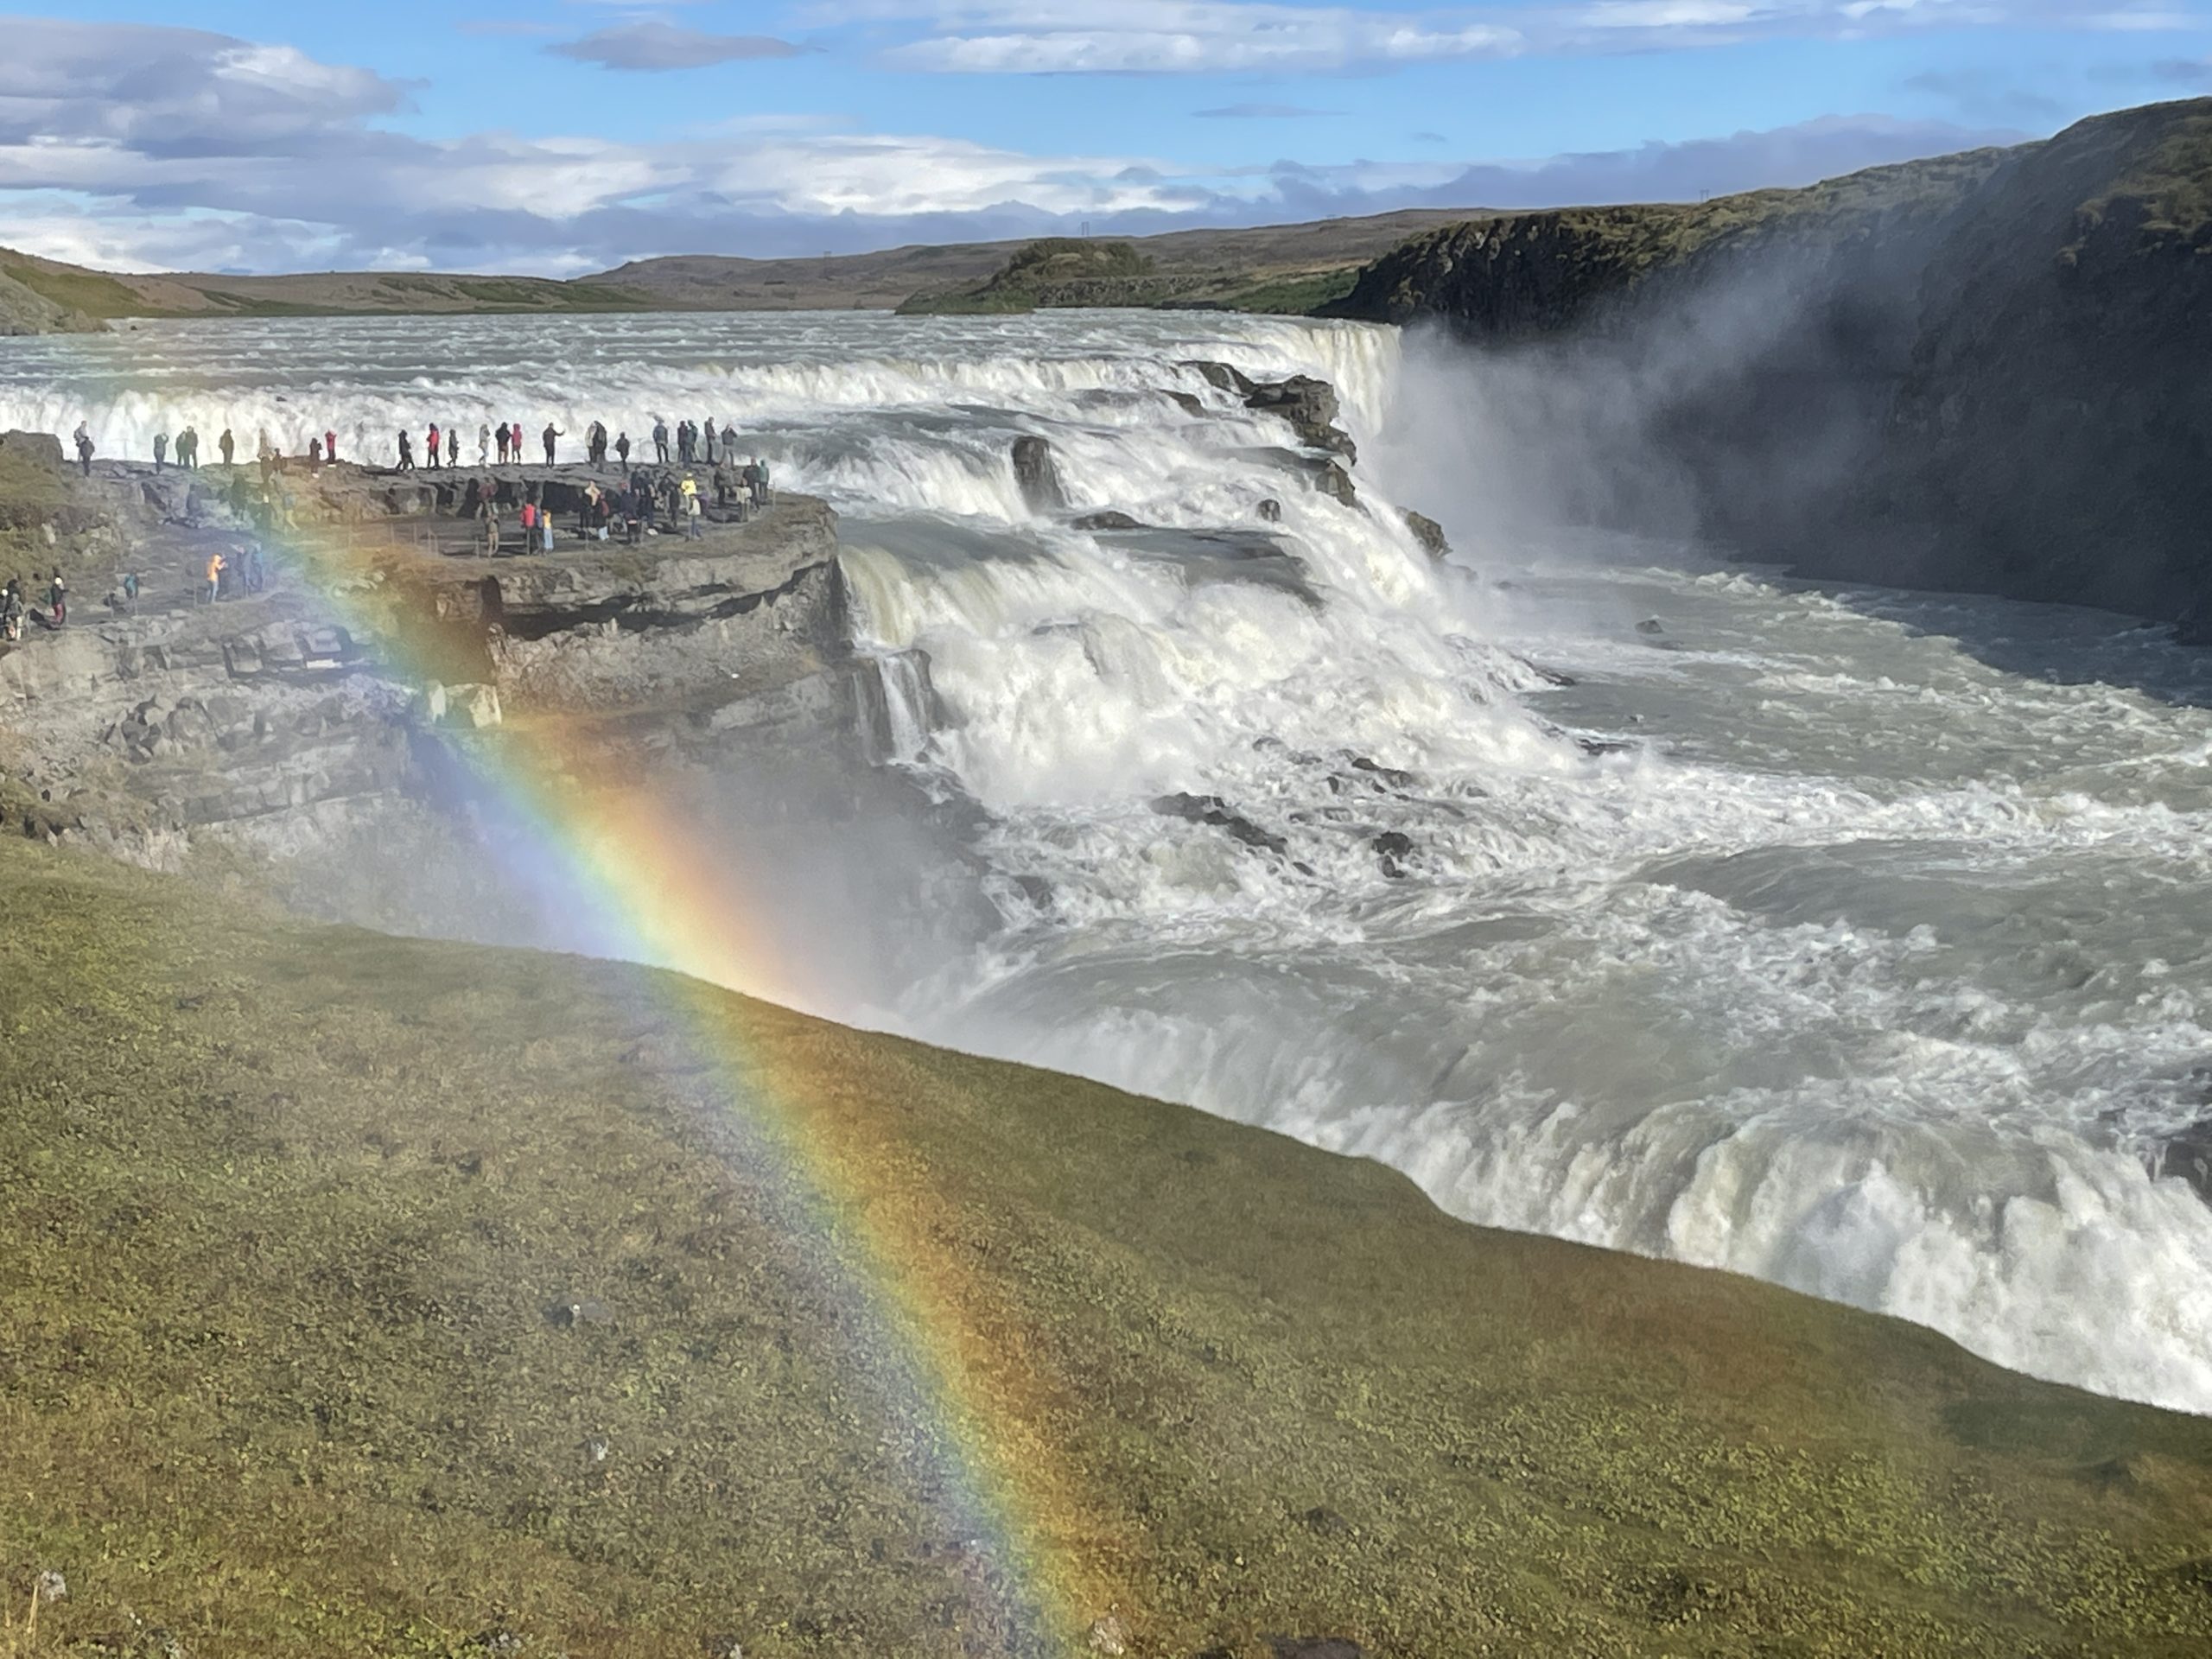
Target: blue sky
566, 135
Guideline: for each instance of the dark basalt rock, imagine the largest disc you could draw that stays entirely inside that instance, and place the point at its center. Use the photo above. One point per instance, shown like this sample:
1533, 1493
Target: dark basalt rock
1393, 848
1650, 625
1213, 811
1039, 474
1429, 534
1271, 511
1108, 520
1391, 775
2186, 1155
1223, 376
1310, 406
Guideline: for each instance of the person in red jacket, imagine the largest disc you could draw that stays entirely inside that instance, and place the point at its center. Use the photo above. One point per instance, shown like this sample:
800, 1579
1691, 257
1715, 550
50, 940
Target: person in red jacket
330, 446
431, 445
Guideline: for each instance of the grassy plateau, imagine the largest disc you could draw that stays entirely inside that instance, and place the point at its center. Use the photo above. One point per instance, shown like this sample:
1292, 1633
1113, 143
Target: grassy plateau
371, 1296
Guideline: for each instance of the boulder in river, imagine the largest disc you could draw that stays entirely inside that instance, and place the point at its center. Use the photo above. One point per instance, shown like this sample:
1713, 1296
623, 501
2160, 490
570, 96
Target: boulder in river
1429, 533
1212, 810
1393, 848
1109, 519
1310, 406
1039, 474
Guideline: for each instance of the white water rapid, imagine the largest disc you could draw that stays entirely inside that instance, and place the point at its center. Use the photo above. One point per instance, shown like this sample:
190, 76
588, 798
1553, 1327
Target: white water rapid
1850, 939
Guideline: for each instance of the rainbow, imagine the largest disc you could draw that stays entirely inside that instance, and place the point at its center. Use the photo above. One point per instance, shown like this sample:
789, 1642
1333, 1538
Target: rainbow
940, 1347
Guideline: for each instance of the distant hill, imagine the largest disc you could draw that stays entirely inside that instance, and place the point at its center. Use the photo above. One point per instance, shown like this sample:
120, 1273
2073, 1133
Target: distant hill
1292, 270
39, 296
1226, 261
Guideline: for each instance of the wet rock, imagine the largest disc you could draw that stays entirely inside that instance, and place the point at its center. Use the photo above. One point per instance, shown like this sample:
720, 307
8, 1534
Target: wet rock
1334, 480
1391, 775
1189, 402
1108, 1636
1548, 676
1213, 811
1107, 520
1271, 511
2186, 1155
1310, 406
1039, 475
1393, 848
1650, 625
1429, 534
1223, 376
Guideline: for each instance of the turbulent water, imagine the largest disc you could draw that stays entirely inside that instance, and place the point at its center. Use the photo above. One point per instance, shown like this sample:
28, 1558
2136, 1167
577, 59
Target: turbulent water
1853, 940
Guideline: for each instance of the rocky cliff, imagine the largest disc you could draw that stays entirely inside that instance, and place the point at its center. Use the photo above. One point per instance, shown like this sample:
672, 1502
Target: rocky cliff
317, 723
1973, 372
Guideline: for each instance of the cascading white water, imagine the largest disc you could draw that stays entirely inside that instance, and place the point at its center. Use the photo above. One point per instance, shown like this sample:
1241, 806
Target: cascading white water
1851, 957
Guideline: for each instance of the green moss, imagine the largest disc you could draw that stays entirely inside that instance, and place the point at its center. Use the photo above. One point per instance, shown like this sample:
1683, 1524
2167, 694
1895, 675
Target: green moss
1294, 296
284, 1208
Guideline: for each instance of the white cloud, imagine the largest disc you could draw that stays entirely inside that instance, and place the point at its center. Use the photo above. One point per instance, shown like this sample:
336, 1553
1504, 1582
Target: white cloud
656, 46
1187, 36
130, 146
1233, 36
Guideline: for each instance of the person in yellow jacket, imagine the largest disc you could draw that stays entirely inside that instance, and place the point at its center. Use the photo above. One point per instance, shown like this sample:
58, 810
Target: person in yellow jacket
216, 565
692, 507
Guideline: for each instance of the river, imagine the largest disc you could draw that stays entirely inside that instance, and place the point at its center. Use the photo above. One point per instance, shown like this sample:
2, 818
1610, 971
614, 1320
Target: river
1848, 939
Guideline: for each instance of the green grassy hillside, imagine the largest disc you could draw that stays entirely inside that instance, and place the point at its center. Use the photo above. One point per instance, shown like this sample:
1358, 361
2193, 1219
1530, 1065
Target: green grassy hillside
1062, 271
295, 1219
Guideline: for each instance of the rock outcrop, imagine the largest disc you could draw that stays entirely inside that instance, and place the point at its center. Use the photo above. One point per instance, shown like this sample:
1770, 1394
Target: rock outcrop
1429, 533
1039, 475
1309, 405
1979, 372
291, 718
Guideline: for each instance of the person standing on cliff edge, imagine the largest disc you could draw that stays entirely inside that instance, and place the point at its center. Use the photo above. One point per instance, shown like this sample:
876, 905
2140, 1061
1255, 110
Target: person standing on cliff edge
660, 439
431, 446
228, 445
550, 433
85, 447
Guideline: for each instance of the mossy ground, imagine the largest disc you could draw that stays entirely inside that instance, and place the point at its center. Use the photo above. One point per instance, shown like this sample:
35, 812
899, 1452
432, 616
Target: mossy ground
283, 1209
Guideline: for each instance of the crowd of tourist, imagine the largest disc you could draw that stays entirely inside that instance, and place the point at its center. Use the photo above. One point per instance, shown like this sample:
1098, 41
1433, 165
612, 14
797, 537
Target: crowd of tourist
663, 497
